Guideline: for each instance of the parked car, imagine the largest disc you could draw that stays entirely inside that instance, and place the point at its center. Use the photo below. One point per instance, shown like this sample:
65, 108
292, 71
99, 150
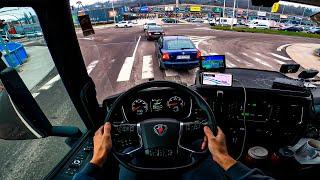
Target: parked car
147, 24
154, 32
292, 29
313, 30
124, 24
170, 20
16, 36
197, 20
258, 26
317, 32
177, 52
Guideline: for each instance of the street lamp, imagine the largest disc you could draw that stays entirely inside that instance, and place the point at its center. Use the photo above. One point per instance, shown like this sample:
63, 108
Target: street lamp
114, 16
233, 13
304, 10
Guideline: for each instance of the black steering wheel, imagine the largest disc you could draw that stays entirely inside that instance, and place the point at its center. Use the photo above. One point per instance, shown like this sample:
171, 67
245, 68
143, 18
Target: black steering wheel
159, 141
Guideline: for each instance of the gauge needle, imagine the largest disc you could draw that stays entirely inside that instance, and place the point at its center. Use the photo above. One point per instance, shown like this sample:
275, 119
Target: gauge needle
135, 108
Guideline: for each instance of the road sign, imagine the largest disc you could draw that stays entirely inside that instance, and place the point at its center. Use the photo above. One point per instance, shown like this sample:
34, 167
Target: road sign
177, 9
262, 13
216, 9
195, 8
275, 7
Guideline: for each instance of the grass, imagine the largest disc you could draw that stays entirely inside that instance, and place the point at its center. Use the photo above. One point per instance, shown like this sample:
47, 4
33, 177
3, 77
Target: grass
267, 31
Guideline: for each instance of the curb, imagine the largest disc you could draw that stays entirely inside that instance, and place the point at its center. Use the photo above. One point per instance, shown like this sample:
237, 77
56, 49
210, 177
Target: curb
317, 52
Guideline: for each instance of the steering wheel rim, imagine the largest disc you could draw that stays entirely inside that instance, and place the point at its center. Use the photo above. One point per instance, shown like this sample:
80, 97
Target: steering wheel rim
211, 122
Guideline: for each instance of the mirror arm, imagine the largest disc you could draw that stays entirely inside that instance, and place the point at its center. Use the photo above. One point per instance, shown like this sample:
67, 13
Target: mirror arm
65, 131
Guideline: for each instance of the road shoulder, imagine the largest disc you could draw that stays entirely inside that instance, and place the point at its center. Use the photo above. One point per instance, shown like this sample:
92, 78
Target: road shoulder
303, 54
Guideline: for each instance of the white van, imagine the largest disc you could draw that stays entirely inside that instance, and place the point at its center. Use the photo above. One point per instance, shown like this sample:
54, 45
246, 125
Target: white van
226, 21
262, 24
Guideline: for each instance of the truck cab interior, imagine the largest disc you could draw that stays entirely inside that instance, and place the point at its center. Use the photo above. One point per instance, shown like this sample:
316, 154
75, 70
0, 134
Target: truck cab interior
253, 112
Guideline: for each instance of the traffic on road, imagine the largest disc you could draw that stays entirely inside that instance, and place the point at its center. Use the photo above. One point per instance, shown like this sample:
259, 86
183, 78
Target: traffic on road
158, 73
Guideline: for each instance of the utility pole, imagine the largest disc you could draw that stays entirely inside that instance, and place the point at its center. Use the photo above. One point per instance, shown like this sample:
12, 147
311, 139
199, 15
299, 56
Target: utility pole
304, 10
234, 9
177, 6
224, 7
114, 14
248, 10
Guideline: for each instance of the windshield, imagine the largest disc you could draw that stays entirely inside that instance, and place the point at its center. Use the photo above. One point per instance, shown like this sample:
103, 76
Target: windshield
178, 44
155, 28
258, 39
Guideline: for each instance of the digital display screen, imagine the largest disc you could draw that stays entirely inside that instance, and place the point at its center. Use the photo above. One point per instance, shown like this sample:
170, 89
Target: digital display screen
213, 63
216, 79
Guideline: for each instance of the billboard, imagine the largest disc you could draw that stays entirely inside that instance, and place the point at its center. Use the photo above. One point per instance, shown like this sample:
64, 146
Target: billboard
144, 9
195, 8
112, 13
168, 8
262, 13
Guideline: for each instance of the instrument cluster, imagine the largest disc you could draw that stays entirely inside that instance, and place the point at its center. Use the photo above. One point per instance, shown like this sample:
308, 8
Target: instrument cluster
157, 104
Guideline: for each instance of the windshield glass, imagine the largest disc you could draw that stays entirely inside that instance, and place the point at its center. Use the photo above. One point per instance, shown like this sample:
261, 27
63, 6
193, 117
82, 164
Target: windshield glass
178, 44
155, 28
120, 58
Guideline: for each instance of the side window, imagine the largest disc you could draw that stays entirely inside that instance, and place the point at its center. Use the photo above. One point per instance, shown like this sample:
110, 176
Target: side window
25, 49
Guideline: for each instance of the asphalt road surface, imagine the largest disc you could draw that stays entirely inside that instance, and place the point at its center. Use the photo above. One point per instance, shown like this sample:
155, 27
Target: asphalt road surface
118, 59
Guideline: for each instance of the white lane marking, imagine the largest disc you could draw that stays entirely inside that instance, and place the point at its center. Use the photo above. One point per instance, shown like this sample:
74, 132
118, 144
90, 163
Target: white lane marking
135, 49
283, 46
24, 121
125, 71
203, 52
203, 28
198, 39
87, 38
229, 64
50, 83
170, 73
238, 59
213, 53
258, 60
91, 66
281, 57
147, 67
34, 95
266, 57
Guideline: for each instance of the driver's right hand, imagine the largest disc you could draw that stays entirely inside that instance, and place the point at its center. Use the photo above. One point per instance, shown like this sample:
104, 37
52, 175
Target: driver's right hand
218, 148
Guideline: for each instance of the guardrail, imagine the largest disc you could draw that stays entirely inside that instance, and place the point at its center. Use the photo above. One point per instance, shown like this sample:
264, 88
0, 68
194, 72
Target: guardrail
16, 54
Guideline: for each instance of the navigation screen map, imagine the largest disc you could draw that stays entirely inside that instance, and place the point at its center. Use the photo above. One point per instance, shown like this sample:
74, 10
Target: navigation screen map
217, 79
214, 62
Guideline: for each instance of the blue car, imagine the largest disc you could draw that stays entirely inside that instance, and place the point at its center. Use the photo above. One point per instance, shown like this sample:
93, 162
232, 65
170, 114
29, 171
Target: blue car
177, 52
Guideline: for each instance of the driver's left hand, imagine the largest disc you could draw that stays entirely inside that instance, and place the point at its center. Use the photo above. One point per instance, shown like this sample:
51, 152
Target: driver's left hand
102, 144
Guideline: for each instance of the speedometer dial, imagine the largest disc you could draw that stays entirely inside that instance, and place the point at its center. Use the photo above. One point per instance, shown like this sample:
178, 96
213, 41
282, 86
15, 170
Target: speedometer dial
175, 104
139, 107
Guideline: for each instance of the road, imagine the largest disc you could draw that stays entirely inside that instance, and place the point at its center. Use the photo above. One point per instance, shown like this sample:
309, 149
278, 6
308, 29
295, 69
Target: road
118, 59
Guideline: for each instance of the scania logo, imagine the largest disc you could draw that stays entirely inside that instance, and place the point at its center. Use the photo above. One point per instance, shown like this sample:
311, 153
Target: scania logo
160, 129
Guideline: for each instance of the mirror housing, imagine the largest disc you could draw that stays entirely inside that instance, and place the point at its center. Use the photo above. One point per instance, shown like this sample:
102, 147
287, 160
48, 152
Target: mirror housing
289, 68
307, 74
21, 117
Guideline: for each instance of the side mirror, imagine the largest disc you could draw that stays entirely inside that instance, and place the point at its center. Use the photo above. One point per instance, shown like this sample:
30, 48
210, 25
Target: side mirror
307, 74
289, 68
20, 115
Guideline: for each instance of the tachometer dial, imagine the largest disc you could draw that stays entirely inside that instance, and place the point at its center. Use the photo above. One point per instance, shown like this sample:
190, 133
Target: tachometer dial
175, 103
139, 107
